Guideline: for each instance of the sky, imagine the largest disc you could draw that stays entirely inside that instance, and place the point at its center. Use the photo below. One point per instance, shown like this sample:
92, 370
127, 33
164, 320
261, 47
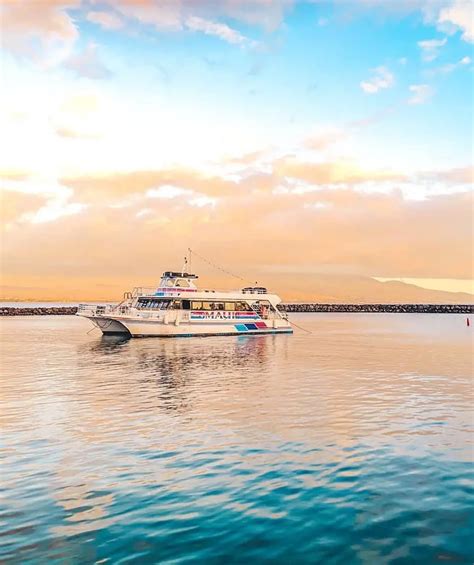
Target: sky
304, 144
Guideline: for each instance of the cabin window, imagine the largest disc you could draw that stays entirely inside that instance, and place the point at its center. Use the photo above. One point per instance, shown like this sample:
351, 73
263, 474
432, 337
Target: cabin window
186, 304
152, 304
242, 307
176, 305
229, 306
196, 305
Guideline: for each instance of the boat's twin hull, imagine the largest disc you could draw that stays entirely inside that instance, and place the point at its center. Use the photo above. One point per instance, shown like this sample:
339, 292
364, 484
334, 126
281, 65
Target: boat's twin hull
108, 326
144, 328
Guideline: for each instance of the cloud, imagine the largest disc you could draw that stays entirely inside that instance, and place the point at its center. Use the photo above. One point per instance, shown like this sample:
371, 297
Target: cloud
107, 20
88, 64
421, 93
123, 185
458, 15
14, 205
333, 230
430, 48
43, 31
450, 67
461, 175
47, 31
14, 175
174, 14
162, 15
331, 173
381, 79
222, 31
323, 139
69, 133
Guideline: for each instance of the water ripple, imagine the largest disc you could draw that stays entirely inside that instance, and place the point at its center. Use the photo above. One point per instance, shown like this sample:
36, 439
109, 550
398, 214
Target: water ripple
349, 445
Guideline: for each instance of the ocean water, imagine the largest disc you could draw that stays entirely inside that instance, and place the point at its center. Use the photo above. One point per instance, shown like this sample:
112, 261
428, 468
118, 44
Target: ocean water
351, 444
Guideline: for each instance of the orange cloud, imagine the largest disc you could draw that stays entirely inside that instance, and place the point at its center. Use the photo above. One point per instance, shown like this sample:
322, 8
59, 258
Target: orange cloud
15, 175
122, 185
331, 173
70, 133
322, 140
329, 232
13, 205
47, 21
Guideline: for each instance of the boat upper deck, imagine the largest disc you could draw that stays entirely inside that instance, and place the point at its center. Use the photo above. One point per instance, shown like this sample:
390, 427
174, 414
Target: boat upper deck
182, 286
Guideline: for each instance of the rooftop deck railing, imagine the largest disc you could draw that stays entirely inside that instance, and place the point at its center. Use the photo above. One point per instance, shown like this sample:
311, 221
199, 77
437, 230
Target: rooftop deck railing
151, 291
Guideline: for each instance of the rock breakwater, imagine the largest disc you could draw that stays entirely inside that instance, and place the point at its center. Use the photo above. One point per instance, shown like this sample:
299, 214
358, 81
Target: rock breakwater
293, 307
381, 308
38, 311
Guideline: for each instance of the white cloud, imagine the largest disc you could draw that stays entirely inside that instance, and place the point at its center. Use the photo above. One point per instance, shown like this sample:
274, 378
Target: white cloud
201, 201
458, 16
166, 191
450, 67
88, 64
222, 31
107, 20
430, 48
382, 78
420, 93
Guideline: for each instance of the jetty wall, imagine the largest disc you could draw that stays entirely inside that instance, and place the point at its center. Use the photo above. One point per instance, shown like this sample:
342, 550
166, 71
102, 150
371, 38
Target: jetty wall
38, 311
381, 308
288, 307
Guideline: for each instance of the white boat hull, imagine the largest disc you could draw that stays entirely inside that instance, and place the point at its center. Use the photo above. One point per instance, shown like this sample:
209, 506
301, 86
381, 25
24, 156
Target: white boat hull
152, 328
178, 309
108, 326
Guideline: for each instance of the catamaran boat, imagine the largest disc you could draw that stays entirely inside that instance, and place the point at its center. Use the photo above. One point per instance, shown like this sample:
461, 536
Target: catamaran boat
177, 308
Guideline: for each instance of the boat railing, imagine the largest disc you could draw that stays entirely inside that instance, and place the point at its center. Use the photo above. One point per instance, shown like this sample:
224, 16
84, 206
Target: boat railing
143, 291
254, 290
95, 309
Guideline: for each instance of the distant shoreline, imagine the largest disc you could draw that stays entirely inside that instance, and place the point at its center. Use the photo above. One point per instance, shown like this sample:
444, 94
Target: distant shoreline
287, 307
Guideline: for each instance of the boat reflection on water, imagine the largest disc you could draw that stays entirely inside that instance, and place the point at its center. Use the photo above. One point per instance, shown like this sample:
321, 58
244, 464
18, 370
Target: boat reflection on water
176, 368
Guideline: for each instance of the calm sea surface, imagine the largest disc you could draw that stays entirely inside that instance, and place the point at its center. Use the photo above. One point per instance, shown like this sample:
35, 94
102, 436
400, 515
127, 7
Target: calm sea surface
347, 445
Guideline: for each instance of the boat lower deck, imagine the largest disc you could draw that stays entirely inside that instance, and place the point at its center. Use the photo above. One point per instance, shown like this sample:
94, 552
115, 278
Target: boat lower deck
151, 328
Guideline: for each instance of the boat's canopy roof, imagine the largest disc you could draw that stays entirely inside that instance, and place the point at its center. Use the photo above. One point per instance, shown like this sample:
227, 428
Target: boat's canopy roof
180, 275
174, 279
254, 290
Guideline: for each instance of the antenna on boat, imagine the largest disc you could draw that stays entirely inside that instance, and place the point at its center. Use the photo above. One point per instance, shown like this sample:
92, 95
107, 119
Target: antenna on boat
219, 268
183, 270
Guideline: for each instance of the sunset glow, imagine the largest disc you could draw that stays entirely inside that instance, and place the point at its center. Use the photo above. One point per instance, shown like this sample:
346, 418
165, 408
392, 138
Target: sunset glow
319, 147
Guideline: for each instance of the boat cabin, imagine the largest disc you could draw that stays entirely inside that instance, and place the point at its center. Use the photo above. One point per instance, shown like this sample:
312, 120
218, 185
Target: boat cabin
261, 307
173, 279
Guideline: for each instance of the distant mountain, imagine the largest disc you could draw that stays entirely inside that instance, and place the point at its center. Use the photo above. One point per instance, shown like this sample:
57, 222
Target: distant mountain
354, 289
292, 287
